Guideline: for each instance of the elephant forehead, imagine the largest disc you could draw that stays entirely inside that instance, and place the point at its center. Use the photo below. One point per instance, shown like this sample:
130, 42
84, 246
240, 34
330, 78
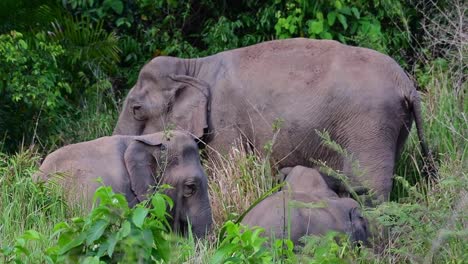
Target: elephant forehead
180, 139
152, 71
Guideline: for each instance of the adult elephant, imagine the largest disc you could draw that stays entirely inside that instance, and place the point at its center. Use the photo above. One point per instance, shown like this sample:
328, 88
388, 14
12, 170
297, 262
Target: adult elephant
362, 98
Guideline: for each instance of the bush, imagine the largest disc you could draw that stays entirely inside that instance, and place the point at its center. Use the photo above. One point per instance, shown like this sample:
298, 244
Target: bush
26, 205
33, 85
111, 233
30, 71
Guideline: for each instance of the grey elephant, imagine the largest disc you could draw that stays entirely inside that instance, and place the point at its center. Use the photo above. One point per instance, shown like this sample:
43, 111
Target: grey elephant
130, 165
362, 98
307, 206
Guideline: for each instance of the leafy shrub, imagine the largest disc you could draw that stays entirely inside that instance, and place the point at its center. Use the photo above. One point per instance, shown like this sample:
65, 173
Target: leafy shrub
30, 73
113, 232
26, 205
331, 248
32, 84
349, 21
239, 244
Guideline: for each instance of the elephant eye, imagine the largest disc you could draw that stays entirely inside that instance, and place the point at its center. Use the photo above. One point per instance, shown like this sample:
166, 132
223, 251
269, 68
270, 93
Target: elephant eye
189, 190
138, 111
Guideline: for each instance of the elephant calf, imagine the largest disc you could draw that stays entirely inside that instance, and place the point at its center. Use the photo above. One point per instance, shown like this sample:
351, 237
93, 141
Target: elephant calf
307, 206
132, 165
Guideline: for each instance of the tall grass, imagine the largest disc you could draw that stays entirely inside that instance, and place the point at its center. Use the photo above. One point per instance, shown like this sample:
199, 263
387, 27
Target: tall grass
26, 205
236, 181
427, 222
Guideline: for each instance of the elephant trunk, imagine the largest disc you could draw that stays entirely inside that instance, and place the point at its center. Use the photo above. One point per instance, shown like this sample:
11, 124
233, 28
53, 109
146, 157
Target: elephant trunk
201, 222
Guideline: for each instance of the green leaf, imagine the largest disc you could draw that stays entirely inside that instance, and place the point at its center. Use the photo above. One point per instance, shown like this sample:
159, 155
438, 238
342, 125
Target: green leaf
331, 18
96, 231
22, 249
319, 15
341, 38
72, 244
116, 5
22, 44
223, 253
139, 215
326, 35
31, 235
338, 4
148, 238
159, 205
113, 239
124, 230
346, 11
342, 20
355, 12
91, 260
316, 27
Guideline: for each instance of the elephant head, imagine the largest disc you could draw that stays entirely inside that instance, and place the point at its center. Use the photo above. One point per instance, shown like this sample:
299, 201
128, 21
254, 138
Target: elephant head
156, 159
359, 227
165, 96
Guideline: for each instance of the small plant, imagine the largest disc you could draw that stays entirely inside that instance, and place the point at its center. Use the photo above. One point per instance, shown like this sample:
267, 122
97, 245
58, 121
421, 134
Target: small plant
331, 248
113, 232
241, 245
19, 250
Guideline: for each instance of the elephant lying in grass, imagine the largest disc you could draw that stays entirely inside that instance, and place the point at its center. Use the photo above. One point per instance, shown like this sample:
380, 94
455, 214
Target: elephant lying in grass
132, 165
362, 98
307, 206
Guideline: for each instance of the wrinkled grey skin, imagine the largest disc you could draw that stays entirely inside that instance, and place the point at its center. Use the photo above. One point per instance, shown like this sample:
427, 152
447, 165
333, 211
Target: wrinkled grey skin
131, 165
362, 98
307, 206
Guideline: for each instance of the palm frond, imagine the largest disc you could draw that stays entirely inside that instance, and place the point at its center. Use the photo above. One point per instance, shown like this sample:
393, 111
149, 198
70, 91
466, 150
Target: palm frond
88, 44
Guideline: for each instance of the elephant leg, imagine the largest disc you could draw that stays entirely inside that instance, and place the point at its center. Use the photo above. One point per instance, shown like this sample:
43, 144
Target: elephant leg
373, 166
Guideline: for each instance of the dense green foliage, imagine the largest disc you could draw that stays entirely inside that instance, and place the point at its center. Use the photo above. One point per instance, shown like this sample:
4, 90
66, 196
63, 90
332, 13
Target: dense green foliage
66, 65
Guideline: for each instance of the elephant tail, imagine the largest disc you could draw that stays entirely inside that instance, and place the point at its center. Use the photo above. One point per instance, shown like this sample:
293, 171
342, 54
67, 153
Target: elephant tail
414, 102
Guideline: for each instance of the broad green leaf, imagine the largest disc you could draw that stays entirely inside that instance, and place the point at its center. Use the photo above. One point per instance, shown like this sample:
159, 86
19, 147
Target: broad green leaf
96, 231
116, 5
316, 27
338, 4
345, 10
139, 215
73, 243
223, 253
159, 205
113, 239
31, 235
91, 260
326, 35
124, 230
148, 238
355, 12
319, 15
342, 20
22, 249
22, 44
331, 18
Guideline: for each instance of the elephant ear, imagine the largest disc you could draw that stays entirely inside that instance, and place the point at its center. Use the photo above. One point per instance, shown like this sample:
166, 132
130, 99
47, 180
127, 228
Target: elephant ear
190, 103
141, 164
